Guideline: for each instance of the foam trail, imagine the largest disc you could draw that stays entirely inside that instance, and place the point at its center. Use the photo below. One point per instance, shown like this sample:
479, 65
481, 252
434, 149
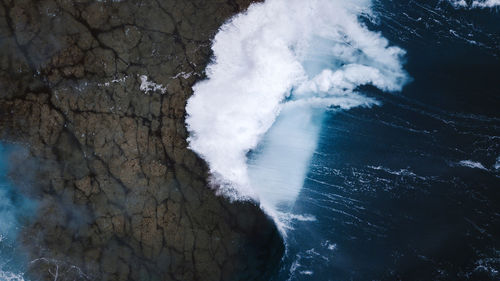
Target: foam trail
285, 61
475, 3
486, 4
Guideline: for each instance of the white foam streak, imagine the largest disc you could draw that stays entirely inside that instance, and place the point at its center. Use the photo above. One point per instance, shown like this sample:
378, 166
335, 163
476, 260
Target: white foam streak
286, 58
472, 164
10, 276
475, 3
486, 4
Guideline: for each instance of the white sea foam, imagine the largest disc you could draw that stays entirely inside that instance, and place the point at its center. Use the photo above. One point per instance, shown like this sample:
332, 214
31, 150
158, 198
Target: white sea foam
285, 221
472, 164
148, 86
10, 276
475, 3
330, 246
276, 68
458, 3
116, 80
486, 4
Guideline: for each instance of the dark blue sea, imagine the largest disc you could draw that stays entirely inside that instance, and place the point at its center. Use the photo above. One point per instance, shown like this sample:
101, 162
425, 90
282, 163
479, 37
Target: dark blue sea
410, 189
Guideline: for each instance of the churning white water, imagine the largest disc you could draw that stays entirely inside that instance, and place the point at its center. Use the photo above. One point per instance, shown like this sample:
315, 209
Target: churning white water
276, 69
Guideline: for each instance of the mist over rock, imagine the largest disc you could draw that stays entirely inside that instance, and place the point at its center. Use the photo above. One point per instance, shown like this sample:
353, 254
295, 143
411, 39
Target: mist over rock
96, 93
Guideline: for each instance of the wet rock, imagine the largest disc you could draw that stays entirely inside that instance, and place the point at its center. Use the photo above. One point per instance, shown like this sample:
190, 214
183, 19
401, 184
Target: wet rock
121, 196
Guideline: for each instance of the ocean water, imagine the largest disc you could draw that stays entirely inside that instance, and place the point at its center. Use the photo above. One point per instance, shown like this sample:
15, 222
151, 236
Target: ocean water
409, 190
15, 210
369, 131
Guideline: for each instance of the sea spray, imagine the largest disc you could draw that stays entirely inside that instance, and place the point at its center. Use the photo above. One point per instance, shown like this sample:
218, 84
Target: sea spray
283, 61
14, 210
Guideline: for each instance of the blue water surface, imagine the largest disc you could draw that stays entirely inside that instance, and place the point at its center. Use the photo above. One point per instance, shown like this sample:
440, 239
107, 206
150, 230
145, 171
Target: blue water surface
410, 190
15, 211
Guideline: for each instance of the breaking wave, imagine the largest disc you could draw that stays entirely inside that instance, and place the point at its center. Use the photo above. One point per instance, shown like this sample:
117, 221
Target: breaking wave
277, 67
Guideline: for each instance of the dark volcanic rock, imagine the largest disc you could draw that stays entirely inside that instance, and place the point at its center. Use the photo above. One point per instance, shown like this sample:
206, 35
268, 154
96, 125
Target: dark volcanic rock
120, 195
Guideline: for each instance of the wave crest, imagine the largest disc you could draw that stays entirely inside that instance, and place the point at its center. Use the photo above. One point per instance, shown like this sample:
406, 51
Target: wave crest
278, 55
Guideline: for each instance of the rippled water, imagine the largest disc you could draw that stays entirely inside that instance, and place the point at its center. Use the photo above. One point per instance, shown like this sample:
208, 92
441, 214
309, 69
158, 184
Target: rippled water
409, 190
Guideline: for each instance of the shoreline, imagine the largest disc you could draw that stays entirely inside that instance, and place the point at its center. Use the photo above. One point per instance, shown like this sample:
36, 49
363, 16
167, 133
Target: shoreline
118, 189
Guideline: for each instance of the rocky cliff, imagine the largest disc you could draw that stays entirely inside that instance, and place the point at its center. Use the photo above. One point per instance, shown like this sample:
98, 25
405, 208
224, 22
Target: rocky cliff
95, 91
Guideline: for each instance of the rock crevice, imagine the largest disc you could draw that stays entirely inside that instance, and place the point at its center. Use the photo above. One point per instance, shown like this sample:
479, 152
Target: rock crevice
121, 197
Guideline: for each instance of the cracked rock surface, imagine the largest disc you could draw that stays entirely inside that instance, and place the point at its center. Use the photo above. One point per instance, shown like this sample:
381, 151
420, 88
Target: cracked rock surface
96, 91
